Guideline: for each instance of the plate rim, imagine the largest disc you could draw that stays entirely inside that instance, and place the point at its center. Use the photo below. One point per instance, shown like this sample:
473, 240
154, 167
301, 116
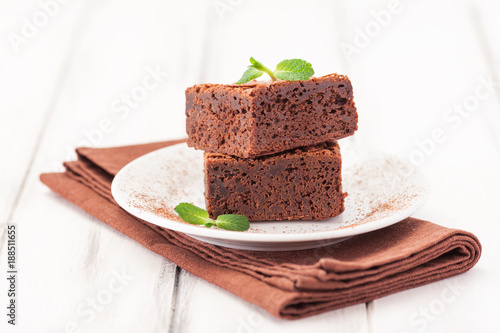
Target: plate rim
262, 237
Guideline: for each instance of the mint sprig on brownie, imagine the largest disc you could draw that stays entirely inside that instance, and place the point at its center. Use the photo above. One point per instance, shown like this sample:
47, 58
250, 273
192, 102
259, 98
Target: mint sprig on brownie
271, 149
289, 70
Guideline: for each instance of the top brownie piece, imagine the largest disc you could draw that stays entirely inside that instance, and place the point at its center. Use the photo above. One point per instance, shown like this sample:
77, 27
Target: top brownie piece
260, 118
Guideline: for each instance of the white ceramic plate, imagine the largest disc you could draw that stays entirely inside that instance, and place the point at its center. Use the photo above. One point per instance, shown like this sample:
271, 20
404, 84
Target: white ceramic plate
382, 191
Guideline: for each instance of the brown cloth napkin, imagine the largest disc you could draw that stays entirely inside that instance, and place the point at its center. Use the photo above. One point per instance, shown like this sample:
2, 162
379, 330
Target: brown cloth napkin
292, 284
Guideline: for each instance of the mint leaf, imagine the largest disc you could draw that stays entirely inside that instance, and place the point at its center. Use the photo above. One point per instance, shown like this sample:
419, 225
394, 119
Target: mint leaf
196, 215
255, 70
192, 214
293, 70
259, 66
249, 75
232, 222
289, 70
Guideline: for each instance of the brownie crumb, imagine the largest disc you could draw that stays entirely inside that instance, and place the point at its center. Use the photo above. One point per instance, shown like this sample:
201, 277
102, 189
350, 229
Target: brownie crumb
261, 118
299, 184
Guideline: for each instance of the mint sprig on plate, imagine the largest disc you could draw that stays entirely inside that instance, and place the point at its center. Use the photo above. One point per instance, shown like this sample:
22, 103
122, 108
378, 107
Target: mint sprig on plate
289, 70
196, 215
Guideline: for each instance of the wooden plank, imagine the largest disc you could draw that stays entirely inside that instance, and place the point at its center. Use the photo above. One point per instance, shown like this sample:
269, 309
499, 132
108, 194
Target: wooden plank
407, 82
30, 78
69, 258
205, 307
463, 196
31, 72
487, 30
76, 272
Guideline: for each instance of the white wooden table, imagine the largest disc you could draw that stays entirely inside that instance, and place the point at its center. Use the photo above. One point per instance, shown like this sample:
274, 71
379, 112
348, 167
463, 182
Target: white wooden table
418, 69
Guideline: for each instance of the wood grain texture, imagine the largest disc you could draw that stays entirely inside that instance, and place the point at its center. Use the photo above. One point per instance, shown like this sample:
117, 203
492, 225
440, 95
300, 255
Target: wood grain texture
31, 73
408, 80
62, 247
203, 306
68, 86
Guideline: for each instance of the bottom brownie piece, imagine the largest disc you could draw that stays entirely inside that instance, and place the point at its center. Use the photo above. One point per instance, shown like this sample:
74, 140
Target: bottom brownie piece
300, 184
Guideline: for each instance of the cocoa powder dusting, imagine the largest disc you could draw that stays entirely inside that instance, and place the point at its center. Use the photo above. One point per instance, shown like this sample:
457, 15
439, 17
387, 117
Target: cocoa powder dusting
379, 186
154, 205
385, 209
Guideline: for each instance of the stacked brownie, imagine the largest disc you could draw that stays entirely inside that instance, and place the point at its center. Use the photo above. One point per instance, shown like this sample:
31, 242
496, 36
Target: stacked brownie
270, 148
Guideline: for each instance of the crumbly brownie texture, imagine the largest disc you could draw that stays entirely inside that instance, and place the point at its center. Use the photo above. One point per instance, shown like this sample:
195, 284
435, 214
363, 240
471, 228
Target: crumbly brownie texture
301, 184
264, 118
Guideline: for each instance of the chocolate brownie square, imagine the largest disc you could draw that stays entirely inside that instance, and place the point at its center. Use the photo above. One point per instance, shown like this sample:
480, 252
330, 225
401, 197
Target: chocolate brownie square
299, 184
262, 118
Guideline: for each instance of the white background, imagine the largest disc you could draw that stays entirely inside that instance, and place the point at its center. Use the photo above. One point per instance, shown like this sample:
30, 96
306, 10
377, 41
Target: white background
412, 65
